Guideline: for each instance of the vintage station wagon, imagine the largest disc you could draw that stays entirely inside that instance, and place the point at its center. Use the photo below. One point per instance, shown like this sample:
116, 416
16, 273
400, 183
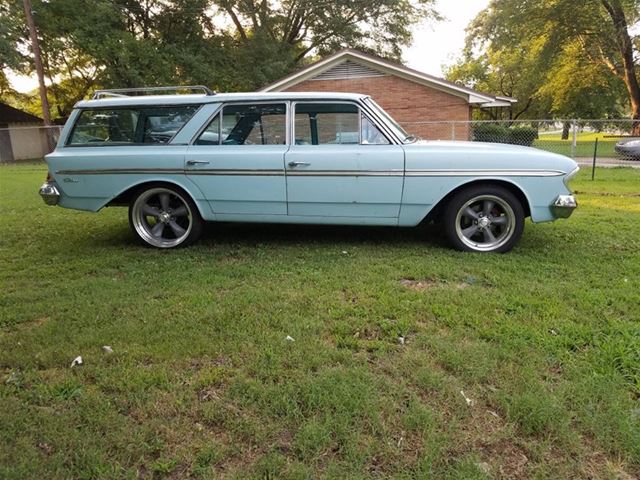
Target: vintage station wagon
177, 161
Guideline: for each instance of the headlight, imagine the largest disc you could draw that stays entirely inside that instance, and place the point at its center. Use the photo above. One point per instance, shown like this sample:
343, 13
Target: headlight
570, 175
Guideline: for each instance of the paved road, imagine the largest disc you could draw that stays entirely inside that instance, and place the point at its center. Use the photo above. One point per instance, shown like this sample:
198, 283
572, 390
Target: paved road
608, 162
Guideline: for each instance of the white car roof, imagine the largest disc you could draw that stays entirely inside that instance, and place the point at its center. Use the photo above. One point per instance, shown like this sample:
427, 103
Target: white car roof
150, 100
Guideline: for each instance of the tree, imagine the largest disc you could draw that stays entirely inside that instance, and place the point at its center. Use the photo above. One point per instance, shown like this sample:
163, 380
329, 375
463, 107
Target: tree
627, 69
324, 26
567, 41
507, 72
225, 44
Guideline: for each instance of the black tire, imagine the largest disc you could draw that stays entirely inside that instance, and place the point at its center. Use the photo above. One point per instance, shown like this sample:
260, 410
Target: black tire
164, 216
484, 218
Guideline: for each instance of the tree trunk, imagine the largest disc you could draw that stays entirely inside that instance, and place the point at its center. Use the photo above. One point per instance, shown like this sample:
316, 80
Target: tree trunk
625, 47
566, 126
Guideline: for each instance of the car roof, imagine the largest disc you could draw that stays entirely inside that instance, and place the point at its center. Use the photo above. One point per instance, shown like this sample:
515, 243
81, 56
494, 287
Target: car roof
150, 100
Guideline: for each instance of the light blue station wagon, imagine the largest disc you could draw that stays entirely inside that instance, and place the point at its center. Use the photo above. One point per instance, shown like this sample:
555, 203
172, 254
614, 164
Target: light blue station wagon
177, 161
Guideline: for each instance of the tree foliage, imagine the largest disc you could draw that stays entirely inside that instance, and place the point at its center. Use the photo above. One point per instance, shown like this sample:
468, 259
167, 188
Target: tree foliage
225, 44
558, 57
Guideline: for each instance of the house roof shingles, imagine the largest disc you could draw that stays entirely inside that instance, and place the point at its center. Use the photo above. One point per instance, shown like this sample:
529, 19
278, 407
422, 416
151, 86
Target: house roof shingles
9, 114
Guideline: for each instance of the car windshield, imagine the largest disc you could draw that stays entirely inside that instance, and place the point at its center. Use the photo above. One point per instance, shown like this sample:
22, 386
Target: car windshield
398, 130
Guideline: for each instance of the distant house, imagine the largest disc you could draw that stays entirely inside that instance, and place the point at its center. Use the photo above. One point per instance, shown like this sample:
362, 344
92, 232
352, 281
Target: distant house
17, 140
408, 95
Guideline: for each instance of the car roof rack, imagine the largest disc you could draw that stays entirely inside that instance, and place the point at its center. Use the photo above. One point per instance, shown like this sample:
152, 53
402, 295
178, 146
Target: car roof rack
124, 92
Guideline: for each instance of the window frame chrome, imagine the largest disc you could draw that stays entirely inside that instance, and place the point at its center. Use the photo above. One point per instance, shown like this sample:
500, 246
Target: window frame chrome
381, 121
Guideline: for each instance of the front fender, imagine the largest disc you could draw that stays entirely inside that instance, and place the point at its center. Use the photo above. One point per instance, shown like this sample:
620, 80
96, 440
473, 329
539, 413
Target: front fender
422, 194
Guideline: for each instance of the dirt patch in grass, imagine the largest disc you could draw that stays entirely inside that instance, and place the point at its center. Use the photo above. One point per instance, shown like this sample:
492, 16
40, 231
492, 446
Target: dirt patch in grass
349, 297
427, 284
418, 285
32, 324
607, 194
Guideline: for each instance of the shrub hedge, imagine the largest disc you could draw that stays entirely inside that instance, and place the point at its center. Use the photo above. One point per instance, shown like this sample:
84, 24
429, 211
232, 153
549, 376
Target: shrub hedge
489, 132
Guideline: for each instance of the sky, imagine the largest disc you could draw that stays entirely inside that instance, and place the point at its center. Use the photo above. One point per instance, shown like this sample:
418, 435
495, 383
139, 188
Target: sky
434, 44
438, 44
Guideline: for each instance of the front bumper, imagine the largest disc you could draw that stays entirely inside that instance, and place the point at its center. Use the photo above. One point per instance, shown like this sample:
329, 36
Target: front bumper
49, 193
563, 206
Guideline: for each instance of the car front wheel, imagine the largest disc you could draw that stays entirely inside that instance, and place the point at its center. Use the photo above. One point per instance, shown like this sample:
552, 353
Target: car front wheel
484, 218
165, 217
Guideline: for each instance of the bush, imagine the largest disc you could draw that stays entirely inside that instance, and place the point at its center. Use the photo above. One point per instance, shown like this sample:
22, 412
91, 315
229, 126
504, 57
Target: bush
490, 132
522, 136
493, 133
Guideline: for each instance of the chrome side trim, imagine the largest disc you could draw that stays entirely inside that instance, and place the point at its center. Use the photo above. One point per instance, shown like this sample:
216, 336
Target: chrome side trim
242, 172
120, 171
345, 173
323, 173
483, 173
250, 172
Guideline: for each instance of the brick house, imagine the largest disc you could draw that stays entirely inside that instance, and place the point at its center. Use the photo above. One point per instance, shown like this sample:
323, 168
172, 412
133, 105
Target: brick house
408, 95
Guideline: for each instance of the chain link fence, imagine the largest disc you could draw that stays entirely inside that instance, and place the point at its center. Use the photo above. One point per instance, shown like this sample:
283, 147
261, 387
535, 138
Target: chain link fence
609, 142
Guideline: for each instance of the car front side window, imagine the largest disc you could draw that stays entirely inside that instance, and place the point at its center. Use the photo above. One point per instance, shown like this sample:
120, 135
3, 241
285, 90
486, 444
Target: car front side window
371, 135
334, 124
327, 124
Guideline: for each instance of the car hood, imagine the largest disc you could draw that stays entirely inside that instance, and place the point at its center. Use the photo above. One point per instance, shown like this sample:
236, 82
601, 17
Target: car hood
479, 155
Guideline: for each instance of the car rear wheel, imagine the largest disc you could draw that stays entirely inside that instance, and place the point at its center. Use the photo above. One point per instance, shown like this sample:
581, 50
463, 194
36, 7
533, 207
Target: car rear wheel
484, 218
165, 217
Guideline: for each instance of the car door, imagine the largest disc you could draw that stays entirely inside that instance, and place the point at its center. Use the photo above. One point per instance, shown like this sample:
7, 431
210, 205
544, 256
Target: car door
341, 165
237, 160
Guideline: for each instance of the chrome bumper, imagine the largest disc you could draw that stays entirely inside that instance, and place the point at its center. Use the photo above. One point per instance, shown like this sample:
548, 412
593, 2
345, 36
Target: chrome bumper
563, 206
49, 193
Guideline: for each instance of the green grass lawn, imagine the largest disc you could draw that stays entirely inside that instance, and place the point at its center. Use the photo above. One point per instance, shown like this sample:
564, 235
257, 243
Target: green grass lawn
544, 342
585, 144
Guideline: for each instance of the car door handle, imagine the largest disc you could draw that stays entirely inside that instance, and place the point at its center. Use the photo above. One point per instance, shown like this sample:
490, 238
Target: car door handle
197, 162
298, 164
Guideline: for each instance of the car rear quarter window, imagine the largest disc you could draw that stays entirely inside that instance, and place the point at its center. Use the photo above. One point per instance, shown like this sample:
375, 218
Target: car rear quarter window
129, 126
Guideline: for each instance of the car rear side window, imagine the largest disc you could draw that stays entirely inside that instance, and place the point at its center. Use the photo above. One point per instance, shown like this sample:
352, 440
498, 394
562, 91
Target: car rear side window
129, 126
260, 124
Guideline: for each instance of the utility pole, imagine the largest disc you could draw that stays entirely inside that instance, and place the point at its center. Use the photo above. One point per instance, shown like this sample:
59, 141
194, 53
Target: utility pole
35, 46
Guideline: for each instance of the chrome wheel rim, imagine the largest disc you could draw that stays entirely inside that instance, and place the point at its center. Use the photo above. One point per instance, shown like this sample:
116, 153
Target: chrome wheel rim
162, 217
485, 223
